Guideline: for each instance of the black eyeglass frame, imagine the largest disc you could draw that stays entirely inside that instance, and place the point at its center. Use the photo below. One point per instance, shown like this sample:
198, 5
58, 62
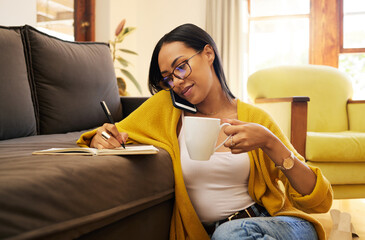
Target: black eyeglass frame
164, 83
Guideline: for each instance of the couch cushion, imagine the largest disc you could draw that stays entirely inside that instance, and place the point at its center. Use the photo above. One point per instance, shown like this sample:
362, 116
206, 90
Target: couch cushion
68, 196
17, 117
342, 173
356, 113
348, 191
345, 146
327, 87
70, 80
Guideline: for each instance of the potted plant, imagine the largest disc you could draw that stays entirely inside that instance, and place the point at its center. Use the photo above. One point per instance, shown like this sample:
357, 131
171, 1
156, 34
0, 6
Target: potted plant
120, 63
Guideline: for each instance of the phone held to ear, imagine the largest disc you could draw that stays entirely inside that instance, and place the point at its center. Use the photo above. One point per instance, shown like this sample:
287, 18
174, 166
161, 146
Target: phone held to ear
181, 103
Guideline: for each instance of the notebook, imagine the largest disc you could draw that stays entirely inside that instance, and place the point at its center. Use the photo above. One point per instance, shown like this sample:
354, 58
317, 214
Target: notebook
129, 150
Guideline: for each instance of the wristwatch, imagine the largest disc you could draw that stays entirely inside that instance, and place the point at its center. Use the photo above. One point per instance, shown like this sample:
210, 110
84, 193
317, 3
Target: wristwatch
288, 162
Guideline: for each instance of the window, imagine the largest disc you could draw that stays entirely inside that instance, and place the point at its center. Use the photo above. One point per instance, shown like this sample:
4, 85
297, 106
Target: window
309, 31
56, 18
67, 19
278, 33
352, 48
353, 17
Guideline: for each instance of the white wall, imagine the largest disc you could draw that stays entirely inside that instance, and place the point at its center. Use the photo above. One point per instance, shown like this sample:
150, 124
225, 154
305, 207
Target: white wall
18, 12
153, 19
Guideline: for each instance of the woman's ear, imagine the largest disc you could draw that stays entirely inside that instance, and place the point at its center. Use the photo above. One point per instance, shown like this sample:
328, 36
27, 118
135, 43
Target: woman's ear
209, 52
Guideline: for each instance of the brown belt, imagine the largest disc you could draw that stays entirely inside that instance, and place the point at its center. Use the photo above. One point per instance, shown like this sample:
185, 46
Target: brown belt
245, 213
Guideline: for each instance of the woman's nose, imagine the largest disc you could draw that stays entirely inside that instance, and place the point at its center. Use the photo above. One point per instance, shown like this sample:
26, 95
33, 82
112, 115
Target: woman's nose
177, 81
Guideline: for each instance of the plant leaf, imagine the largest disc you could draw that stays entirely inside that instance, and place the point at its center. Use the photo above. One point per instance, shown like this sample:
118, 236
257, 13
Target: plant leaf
127, 51
126, 31
131, 77
122, 61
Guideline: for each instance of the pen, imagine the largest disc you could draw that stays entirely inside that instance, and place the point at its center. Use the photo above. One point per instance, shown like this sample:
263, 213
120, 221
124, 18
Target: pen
108, 115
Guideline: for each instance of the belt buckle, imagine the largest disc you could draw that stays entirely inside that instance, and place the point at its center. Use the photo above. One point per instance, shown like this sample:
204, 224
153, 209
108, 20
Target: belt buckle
248, 213
233, 215
236, 213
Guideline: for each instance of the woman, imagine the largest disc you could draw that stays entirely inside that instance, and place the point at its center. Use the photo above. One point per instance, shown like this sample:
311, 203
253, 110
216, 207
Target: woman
256, 186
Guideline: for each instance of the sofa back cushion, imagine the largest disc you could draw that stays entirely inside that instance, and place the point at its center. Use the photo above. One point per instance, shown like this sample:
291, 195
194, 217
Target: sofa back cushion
70, 80
17, 117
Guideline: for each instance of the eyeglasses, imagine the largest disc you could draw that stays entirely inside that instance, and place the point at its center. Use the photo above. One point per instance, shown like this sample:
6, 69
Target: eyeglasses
181, 71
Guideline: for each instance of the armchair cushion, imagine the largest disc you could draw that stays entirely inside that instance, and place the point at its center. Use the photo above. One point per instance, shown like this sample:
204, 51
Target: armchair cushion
347, 146
342, 173
356, 111
281, 113
328, 89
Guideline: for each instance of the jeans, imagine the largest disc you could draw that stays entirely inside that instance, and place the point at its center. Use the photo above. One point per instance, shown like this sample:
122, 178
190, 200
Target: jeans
266, 228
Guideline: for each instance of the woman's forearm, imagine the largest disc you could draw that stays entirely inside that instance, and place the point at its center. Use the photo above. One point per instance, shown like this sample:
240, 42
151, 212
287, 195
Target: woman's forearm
300, 176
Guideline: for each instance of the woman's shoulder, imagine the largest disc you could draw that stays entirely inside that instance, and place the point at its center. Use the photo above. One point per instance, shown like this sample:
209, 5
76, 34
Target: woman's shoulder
249, 112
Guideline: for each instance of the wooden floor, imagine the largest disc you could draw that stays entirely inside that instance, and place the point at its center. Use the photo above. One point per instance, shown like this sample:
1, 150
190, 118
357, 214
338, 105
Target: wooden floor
356, 207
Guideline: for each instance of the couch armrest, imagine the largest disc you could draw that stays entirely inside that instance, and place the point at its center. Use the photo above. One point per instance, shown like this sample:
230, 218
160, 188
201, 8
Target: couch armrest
356, 114
290, 114
129, 104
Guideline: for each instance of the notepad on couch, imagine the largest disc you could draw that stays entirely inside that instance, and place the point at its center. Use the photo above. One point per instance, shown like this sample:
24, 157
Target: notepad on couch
129, 150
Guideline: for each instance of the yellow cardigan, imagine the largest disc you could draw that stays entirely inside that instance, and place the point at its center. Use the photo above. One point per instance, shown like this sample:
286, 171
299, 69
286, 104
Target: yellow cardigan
155, 122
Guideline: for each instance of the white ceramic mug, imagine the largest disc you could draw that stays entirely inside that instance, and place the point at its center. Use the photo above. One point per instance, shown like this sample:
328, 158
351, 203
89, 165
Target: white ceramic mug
201, 136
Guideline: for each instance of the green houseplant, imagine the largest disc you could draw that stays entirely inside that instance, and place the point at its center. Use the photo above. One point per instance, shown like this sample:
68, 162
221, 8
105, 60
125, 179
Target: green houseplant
120, 63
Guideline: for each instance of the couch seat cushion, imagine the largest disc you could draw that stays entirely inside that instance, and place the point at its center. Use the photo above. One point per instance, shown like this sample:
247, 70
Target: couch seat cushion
74, 194
345, 146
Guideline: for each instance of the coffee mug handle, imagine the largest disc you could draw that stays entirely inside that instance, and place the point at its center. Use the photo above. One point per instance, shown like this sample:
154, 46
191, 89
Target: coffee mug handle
222, 125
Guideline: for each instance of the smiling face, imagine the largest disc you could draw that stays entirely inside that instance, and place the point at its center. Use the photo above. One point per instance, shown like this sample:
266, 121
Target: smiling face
202, 79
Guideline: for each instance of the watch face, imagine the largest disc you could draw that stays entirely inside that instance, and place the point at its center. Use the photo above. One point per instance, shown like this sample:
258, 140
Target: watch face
288, 163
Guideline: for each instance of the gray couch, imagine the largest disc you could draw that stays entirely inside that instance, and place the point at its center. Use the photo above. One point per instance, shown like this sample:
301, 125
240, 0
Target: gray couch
50, 93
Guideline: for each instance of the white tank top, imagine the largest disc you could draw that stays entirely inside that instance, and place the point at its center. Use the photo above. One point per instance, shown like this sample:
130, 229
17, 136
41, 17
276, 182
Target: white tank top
219, 187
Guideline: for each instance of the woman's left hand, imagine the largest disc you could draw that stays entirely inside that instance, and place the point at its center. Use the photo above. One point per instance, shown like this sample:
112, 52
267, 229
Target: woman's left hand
246, 136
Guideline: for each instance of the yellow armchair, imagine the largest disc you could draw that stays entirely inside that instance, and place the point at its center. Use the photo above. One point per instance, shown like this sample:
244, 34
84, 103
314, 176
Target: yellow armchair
325, 126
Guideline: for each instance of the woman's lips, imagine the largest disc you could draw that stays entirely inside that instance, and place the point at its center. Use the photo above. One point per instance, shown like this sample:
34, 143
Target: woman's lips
186, 91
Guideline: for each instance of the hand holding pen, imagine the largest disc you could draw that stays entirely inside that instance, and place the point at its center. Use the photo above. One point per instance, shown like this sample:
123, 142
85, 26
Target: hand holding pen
108, 135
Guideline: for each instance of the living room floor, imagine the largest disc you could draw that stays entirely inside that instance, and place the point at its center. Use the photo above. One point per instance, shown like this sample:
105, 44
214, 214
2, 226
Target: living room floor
356, 207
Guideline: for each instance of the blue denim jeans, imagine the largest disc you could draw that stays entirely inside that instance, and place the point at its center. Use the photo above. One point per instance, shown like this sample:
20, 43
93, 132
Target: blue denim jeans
266, 228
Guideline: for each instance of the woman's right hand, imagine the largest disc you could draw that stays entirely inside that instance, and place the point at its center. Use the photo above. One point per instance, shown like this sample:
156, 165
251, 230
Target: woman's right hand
115, 140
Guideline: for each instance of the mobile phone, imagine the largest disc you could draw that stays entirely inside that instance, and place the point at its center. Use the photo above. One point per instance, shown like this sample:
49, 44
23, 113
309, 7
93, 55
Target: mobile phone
181, 103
